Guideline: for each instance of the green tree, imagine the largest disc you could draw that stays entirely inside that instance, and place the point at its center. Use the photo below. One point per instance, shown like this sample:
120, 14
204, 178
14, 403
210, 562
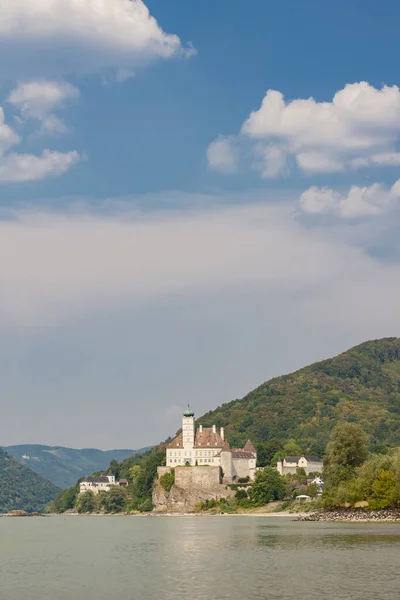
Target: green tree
86, 502
266, 452
346, 450
268, 486
113, 501
65, 500
385, 490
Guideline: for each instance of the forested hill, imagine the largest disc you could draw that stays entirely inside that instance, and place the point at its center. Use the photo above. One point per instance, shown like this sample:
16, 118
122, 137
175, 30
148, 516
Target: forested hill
63, 466
361, 385
21, 488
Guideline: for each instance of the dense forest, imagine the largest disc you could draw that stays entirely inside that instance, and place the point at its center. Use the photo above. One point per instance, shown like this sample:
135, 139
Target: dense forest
21, 488
360, 386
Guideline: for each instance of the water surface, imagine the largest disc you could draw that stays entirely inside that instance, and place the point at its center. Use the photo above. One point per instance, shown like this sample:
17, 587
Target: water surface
196, 558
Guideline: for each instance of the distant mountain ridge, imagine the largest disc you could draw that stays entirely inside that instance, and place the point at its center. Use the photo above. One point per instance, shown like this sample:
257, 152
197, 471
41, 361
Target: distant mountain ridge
361, 385
21, 488
63, 466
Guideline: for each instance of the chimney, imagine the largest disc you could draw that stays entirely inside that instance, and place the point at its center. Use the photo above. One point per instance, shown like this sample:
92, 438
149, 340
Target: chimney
214, 429
201, 428
222, 433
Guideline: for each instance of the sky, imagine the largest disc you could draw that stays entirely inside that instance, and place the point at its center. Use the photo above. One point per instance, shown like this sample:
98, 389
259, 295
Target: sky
194, 197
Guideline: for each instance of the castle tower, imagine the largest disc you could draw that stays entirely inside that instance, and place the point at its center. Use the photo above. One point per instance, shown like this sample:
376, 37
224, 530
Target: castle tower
188, 430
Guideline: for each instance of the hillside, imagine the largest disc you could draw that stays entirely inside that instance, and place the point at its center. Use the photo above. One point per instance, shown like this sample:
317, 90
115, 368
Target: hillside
361, 385
63, 466
21, 488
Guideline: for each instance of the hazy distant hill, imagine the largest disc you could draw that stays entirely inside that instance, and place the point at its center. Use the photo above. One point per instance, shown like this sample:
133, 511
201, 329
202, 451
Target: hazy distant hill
63, 466
21, 488
361, 385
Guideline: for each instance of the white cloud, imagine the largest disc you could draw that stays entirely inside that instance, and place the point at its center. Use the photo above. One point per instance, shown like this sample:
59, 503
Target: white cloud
221, 155
8, 137
57, 37
39, 99
97, 301
66, 264
391, 159
273, 162
359, 127
28, 167
359, 202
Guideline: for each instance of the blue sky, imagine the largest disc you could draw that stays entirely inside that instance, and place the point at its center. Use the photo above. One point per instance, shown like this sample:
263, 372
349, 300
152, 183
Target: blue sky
170, 231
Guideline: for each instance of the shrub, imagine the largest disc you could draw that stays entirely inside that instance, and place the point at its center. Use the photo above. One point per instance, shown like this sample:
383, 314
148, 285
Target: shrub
86, 502
241, 495
146, 506
167, 480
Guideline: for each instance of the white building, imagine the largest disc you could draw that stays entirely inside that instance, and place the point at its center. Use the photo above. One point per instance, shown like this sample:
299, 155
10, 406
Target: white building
203, 446
290, 464
101, 483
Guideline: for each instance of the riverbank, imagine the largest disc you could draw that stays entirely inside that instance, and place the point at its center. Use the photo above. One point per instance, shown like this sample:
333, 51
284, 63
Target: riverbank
21, 513
353, 515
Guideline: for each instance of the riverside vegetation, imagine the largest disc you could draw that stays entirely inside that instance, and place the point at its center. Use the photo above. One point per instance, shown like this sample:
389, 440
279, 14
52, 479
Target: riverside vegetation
345, 409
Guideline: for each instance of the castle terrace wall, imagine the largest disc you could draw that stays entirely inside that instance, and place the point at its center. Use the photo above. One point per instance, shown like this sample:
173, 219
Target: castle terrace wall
200, 477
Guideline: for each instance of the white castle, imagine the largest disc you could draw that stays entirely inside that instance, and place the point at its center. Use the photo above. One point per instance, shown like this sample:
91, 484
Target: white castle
204, 446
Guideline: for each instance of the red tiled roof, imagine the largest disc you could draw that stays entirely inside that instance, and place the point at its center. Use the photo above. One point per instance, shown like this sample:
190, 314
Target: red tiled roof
207, 438
242, 454
249, 447
203, 439
177, 442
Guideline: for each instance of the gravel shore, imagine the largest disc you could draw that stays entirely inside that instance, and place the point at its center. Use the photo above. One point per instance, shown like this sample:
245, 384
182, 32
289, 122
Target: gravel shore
354, 515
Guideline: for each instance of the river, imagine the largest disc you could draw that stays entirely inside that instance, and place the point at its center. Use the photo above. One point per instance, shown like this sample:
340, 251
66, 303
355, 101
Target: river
196, 558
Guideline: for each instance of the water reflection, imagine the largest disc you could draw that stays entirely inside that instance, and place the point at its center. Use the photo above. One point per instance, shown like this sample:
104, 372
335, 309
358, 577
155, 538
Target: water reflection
196, 559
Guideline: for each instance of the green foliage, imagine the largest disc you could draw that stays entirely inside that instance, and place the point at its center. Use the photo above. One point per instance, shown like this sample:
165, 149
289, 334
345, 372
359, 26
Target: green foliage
113, 501
376, 483
167, 480
268, 486
241, 495
346, 451
301, 476
21, 488
312, 490
385, 490
86, 502
362, 384
65, 500
266, 451
146, 506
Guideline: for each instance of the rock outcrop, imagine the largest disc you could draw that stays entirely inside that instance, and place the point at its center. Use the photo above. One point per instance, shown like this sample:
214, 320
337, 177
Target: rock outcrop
356, 514
184, 500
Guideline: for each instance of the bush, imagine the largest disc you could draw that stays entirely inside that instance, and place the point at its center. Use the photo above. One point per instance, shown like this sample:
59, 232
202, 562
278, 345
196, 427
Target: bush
86, 502
146, 506
167, 480
113, 501
241, 495
268, 486
244, 479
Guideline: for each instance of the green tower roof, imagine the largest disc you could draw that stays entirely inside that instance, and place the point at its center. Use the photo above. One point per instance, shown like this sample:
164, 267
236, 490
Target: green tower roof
188, 412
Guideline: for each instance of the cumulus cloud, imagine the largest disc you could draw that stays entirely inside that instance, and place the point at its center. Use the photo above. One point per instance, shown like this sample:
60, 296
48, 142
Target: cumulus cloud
359, 202
16, 167
221, 155
359, 127
39, 99
59, 37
